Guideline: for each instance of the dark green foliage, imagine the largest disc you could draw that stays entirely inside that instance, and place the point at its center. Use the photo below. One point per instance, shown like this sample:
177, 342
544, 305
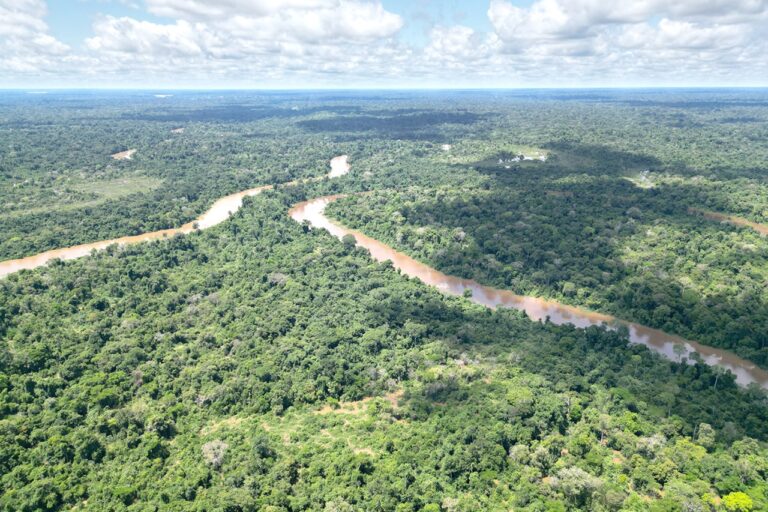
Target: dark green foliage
261, 365
220, 353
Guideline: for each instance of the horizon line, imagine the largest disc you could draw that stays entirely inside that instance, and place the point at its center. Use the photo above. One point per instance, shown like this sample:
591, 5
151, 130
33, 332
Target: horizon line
383, 88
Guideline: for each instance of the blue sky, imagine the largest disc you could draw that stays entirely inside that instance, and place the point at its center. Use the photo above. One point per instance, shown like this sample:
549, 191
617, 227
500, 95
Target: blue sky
386, 43
71, 20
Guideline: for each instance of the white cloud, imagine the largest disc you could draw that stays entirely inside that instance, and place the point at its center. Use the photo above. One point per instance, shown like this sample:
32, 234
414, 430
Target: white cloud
671, 34
221, 9
577, 18
644, 39
460, 51
308, 20
25, 44
127, 35
305, 37
455, 43
560, 19
721, 11
357, 42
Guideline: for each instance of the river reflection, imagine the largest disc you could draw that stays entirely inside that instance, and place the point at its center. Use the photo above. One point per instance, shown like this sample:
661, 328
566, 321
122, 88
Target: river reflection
669, 345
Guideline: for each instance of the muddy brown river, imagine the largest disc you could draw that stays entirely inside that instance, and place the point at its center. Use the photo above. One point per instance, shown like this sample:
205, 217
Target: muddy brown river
220, 211
536, 308
745, 371
731, 219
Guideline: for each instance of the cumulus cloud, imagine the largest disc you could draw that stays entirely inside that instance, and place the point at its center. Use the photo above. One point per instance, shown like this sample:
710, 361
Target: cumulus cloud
459, 49
560, 19
359, 42
638, 38
221, 9
556, 20
309, 20
583, 18
722, 11
25, 43
670, 34
269, 39
127, 35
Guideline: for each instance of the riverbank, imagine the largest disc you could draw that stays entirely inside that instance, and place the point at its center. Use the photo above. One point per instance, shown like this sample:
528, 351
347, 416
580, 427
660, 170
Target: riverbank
220, 211
731, 219
671, 346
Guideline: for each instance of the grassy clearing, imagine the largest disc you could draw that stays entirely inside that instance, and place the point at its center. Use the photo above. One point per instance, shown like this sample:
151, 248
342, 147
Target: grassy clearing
104, 190
352, 429
119, 187
485, 153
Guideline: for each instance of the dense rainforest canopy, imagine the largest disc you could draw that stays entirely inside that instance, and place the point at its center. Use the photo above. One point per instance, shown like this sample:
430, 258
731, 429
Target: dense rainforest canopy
263, 365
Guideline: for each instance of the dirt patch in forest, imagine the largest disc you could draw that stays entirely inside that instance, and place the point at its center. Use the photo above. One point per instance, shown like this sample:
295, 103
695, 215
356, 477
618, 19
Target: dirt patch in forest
231, 422
364, 451
124, 155
559, 193
357, 407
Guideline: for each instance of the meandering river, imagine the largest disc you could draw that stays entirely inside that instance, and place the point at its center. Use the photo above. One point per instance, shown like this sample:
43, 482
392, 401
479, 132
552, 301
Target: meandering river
745, 371
220, 211
313, 211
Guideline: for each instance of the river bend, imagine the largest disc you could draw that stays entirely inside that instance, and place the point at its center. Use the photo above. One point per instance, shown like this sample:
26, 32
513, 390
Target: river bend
746, 372
220, 211
313, 211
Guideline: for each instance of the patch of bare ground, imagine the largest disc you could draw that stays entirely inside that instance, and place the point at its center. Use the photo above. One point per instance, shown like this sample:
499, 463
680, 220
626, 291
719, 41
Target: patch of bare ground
124, 155
177, 130
357, 407
231, 422
364, 451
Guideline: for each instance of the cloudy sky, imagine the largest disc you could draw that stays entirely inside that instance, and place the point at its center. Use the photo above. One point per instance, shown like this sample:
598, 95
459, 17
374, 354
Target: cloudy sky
382, 43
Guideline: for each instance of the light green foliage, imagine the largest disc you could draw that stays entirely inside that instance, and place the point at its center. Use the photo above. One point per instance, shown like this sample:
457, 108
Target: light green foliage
737, 502
262, 366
